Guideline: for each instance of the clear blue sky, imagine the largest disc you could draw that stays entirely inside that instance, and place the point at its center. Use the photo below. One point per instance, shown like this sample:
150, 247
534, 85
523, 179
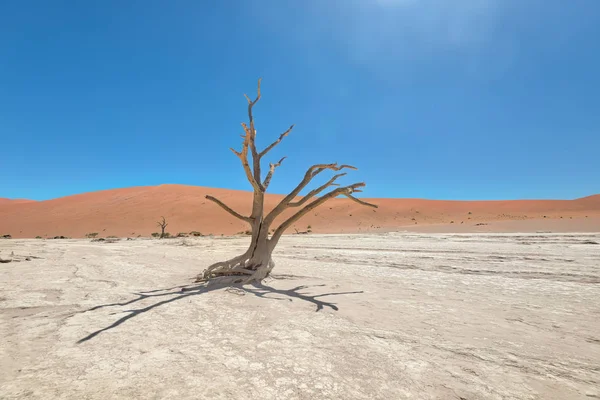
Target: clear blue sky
461, 99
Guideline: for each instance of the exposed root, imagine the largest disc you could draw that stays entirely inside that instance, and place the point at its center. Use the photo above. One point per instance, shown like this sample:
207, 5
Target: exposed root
236, 270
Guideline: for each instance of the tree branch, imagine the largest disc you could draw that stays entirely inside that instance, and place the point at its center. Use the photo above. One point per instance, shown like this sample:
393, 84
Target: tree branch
275, 143
308, 176
243, 156
251, 136
271, 171
359, 201
316, 191
346, 190
250, 142
228, 209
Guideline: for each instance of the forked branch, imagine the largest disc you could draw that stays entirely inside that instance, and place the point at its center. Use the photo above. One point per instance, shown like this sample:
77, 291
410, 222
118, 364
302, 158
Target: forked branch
271, 171
316, 191
162, 223
346, 191
275, 143
310, 174
243, 156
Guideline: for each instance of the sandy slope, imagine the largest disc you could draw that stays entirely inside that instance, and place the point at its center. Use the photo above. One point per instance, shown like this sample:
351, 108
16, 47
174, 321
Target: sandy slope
4, 201
403, 316
134, 211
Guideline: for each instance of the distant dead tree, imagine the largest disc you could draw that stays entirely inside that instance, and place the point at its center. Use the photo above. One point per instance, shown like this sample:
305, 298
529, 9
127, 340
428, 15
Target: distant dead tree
256, 263
162, 225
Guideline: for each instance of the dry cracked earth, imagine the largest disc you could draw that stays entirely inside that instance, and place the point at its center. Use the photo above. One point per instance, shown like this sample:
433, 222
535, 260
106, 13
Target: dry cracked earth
381, 316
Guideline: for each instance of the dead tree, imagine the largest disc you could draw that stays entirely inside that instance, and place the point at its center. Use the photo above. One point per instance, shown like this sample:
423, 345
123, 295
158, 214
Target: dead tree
256, 263
162, 225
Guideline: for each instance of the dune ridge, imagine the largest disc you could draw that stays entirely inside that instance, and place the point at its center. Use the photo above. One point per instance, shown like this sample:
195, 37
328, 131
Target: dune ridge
134, 211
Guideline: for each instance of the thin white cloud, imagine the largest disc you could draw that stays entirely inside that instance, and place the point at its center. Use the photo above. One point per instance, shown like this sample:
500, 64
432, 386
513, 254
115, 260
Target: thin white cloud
391, 34
388, 35
454, 23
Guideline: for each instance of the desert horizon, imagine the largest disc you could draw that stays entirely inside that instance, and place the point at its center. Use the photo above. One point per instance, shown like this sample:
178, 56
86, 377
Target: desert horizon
134, 211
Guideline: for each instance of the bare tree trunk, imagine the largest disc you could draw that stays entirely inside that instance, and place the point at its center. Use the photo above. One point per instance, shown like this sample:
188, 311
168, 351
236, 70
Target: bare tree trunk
253, 265
256, 263
260, 261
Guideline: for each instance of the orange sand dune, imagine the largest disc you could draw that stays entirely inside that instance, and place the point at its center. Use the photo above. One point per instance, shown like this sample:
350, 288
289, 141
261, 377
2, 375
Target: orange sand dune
134, 211
14, 201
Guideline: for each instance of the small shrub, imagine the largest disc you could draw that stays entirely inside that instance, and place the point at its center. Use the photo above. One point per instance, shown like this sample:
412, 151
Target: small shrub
60, 237
167, 235
248, 233
195, 233
308, 227
38, 237
155, 234
91, 235
182, 234
6, 237
470, 213
111, 237
451, 222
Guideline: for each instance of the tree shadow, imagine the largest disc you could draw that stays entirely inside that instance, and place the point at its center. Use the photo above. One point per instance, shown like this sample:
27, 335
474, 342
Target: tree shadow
180, 292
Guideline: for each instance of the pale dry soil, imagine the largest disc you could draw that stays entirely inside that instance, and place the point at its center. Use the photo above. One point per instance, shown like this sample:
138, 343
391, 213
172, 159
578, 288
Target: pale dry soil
386, 316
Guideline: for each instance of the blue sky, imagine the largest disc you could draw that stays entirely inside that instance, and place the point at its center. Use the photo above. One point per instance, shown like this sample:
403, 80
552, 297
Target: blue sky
462, 99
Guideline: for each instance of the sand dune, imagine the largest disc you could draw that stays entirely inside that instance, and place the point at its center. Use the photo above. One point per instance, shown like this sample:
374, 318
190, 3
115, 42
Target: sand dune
4, 201
134, 211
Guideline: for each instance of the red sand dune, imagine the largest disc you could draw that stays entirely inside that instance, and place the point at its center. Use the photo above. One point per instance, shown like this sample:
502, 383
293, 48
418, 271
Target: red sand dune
135, 211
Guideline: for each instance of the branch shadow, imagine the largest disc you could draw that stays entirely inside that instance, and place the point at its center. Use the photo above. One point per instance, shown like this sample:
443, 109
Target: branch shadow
181, 292
261, 290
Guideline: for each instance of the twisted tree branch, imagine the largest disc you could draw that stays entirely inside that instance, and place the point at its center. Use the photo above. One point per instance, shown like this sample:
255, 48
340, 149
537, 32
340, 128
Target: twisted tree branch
316, 191
308, 177
346, 190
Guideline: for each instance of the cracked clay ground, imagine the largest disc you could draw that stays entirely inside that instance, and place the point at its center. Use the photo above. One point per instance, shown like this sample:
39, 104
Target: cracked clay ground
382, 316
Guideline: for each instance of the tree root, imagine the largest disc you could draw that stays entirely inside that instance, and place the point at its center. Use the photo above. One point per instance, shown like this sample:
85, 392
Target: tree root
235, 270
